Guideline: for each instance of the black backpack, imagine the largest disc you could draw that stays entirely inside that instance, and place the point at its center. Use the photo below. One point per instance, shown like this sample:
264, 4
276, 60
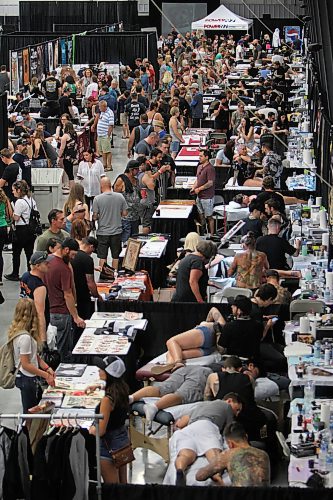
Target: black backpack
34, 224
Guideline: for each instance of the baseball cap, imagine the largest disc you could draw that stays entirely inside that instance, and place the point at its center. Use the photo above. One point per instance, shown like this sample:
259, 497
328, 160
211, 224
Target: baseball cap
39, 257
22, 142
243, 303
133, 164
19, 119
71, 244
112, 365
194, 86
272, 272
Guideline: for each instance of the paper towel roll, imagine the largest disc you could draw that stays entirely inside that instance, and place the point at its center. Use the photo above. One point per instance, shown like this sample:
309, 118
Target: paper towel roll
319, 200
304, 325
307, 156
329, 279
322, 219
325, 413
325, 239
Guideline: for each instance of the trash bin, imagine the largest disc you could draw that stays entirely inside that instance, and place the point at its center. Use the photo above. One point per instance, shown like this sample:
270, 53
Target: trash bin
46, 184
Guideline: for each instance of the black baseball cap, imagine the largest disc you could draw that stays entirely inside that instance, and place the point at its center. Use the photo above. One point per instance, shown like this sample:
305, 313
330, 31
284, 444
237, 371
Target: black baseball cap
133, 164
71, 244
22, 142
272, 272
243, 303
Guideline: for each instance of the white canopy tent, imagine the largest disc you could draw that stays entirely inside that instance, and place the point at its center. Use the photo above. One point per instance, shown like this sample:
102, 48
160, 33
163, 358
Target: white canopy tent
222, 19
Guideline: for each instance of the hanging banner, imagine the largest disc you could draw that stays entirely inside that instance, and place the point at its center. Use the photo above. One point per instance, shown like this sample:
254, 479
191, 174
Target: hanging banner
290, 33
40, 62
14, 78
63, 52
46, 59
33, 61
69, 44
26, 67
20, 69
56, 54
50, 54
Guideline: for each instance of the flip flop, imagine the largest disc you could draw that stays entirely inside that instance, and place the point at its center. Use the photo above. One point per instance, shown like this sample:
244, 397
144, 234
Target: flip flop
160, 369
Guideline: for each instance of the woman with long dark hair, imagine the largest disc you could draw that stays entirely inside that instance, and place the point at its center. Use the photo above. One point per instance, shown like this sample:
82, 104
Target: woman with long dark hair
281, 131
68, 151
114, 407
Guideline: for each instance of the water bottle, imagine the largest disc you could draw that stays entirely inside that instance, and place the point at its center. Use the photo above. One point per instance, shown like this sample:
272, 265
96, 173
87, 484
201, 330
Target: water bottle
329, 458
330, 267
327, 294
317, 350
327, 356
310, 201
322, 459
309, 393
304, 248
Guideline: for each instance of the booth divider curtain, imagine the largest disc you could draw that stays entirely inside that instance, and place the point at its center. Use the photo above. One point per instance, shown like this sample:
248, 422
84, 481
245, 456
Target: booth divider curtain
3, 121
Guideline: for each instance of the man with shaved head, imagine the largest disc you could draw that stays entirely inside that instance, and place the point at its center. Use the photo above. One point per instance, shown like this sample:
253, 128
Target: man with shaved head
108, 209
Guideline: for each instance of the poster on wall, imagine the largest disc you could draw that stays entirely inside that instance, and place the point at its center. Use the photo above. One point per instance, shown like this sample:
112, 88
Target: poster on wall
50, 55
40, 62
26, 67
20, 69
56, 54
33, 61
69, 44
290, 33
14, 78
46, 58
63, 52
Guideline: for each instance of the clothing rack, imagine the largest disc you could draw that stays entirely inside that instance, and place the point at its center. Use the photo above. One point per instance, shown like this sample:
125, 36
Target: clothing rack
47, 416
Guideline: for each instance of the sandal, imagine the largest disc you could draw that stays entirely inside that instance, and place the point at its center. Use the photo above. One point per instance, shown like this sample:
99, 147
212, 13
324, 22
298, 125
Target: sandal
160, 369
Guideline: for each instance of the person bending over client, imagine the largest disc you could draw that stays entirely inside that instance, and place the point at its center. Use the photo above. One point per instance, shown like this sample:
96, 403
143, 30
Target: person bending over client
199, 341
246, 466
200, 432
186, 385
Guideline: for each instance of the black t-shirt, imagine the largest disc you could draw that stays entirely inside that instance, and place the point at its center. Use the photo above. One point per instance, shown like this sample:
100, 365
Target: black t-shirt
134, 110
65, 104
29, 284
279, 74
10, 175
183, 291
253, 72
267, 195
259, 96
276, 249
82, 264
242, 337
222, 119
25, 164
51, 86
253, 225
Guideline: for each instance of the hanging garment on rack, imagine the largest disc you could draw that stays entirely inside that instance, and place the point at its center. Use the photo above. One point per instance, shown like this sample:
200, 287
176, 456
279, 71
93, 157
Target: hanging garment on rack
78, 459
6, 437
16, 480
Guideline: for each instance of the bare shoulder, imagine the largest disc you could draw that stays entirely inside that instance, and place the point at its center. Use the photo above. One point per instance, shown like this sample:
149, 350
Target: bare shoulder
249, 467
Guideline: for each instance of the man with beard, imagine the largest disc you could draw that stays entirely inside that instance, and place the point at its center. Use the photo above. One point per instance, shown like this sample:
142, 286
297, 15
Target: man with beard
167, 159
62, 296
21, 157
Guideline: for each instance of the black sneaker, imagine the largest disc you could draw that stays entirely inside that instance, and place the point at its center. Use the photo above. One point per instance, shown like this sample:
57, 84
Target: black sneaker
180, 478
12, 277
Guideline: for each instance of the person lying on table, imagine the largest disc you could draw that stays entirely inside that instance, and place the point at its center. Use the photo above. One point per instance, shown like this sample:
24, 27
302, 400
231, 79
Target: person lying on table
184, 386
194, 343
246, 465
200, 432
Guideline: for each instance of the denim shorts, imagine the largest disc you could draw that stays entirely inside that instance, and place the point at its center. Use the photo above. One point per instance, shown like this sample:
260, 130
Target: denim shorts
205, 206
113, 441
174, 147
209, 337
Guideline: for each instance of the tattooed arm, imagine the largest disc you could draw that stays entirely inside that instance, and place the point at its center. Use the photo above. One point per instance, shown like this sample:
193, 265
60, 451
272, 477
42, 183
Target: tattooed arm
216, 467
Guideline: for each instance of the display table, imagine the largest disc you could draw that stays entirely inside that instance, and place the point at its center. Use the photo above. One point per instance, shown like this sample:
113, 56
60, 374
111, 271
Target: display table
177, 219
135, 287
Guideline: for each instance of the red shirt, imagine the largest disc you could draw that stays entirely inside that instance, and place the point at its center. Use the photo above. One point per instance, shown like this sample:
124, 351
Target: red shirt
206, 173
58, 279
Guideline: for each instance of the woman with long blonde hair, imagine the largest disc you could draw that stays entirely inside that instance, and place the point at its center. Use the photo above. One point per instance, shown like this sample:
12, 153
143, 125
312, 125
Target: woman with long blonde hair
24, 330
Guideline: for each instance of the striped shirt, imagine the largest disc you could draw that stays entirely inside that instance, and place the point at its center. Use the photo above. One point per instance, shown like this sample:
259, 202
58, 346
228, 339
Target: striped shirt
106, 119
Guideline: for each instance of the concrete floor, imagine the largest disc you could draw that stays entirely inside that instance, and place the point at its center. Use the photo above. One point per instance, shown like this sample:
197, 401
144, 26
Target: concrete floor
148, 466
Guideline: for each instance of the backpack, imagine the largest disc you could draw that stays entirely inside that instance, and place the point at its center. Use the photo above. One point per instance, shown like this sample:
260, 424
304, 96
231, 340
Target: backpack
8, 371
34, 223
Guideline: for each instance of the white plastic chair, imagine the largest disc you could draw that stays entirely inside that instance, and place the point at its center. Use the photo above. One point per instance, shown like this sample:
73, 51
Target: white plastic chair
230, 292
304, 306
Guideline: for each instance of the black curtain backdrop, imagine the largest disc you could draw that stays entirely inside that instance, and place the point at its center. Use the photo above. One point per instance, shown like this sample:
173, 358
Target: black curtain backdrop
159, 492
3, 122
165, 319
35, 16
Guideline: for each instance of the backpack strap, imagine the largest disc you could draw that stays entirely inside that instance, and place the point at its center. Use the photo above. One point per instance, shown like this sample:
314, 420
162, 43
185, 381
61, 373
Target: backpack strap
31, 207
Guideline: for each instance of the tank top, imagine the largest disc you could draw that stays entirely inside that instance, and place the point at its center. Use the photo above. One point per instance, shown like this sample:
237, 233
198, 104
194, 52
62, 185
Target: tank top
3, 222
150, 198
173, 135
117, 417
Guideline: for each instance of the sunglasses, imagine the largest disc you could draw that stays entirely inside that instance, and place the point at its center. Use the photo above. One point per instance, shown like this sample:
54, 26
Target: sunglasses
42, 258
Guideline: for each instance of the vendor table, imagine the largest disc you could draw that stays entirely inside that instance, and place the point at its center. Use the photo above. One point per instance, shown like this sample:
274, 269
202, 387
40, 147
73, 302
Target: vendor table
176, 219
142, 287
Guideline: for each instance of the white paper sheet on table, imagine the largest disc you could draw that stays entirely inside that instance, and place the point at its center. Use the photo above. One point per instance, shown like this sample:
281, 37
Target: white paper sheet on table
173, 212
101, 344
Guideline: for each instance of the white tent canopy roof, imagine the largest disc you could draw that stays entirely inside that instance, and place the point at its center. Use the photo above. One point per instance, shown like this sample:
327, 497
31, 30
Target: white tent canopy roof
222, 19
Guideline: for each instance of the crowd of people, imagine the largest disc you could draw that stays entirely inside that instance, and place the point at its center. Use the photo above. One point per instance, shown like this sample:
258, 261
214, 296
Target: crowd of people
153, 109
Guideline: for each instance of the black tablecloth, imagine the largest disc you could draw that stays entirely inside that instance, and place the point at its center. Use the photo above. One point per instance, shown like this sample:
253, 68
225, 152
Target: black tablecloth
156, 269
177, 228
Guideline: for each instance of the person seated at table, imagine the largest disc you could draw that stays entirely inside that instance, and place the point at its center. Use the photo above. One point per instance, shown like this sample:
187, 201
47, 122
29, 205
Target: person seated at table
283, 294
246, 466
184, 386
229, 376
199, 433
249, 265
243, 173
192, 275
225, 156
253, 221
195, 343
242, 335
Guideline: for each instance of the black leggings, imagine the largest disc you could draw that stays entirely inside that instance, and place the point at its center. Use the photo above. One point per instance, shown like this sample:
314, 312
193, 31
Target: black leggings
3, 240
68, 167
24, 241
